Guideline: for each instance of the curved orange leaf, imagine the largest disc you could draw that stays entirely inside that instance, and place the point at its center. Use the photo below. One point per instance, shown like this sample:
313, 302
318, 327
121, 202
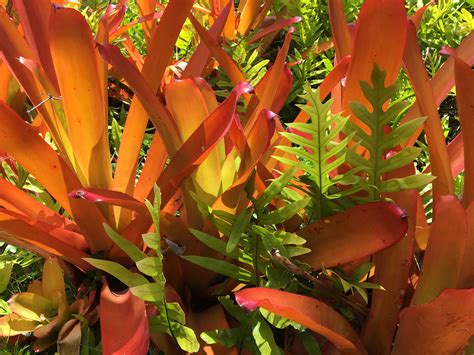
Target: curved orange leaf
416, 70
200, 58
198, 146
311, 313
14, 230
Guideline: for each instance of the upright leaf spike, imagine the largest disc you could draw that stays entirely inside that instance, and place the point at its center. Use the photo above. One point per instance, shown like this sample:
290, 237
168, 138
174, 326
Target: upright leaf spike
315, 144
382, 153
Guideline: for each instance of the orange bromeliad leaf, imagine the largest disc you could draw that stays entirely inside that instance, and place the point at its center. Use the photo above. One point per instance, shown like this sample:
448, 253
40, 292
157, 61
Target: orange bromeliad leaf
464, 78
416, 70
15, 230
340, 32
372, 46
392, 268
443, 81
124, 325
311, 313
200, 58
34, 18
190, 102
160, 50
442, 326
201, 142
52, 172
446, 245
353, 234
76, 67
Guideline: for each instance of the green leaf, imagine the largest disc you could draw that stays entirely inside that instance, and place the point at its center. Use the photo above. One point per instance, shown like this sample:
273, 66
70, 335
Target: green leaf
127, 246
174, 312
5, 274
225, 337
407, 183
263, 335
129, 278
362, 293
310, 343
151, 266
361, 271
152, 240
219, 245
284, 213
150, 292
320, 151
185, 337
289, 238
278, 321
154, 209
221, 267
275, 187
238, 229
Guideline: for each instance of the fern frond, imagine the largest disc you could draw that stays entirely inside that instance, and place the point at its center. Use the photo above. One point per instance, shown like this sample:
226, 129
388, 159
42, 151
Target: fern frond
316, 145
378, 142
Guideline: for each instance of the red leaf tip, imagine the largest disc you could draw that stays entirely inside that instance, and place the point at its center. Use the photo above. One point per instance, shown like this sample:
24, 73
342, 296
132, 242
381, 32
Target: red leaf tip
248, 305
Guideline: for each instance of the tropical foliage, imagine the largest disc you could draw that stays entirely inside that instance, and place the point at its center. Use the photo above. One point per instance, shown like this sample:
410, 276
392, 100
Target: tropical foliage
236, 177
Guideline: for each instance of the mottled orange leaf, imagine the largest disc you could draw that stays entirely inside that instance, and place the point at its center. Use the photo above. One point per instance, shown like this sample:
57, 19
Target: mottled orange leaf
76, 67
442, 326
353, 234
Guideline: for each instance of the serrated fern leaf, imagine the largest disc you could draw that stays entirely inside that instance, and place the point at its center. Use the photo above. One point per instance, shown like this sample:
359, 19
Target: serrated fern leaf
382, 153
316, 145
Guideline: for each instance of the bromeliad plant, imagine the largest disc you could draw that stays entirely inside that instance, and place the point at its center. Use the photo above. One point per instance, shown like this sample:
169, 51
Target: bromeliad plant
301, 239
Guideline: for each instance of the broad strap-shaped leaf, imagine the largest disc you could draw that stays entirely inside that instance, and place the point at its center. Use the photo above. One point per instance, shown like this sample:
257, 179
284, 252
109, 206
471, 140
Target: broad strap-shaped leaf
18, 230
393, 266
443, 81
76, 67
443, 258
377, 143
159, 51
306, 311
353, 234
442, 326
196, 148
123, 323
52, 172
372, 47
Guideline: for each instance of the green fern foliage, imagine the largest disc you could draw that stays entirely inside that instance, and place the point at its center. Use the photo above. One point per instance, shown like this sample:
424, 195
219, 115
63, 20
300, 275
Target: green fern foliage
382, 153
315, 144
